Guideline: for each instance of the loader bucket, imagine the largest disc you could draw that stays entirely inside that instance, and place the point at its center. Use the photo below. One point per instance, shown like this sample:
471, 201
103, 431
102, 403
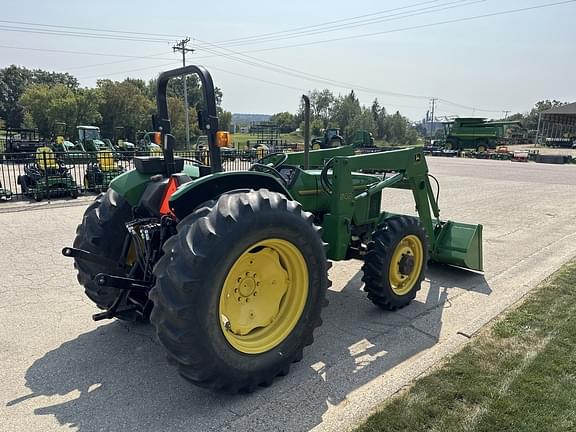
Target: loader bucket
459, 244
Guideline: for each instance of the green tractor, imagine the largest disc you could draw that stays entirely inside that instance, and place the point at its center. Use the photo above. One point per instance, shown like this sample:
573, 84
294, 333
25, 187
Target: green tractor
331, 139
90, 139
68, 152
231, 268
47, 177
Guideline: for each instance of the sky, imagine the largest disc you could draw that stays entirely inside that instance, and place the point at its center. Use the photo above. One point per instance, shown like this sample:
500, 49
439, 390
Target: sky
264, 55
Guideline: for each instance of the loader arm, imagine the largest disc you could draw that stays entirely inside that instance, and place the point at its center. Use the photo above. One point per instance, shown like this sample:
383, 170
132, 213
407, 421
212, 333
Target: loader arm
450, 242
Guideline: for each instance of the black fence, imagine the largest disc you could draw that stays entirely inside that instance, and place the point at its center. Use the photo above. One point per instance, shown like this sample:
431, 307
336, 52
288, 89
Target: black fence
52, 174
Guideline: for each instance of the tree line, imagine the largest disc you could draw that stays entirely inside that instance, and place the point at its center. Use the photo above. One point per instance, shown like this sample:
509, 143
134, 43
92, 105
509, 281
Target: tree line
346, 113
39, 99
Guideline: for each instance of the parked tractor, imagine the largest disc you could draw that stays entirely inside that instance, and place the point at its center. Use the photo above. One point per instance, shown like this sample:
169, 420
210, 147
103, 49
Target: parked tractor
89, 137
231, 268
68, 152
331, 139
47, 177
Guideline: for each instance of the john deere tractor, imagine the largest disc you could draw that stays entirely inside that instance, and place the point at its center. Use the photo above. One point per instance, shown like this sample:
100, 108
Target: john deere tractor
331, 138
231, 268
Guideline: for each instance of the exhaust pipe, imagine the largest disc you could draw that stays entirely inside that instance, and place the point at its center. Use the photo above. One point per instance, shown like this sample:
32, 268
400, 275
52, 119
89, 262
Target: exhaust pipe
306, 131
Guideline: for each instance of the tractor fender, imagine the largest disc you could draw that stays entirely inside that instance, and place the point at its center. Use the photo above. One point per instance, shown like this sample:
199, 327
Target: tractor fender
190, 195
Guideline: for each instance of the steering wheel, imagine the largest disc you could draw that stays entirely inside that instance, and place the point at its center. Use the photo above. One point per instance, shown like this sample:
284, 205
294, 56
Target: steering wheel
278, 159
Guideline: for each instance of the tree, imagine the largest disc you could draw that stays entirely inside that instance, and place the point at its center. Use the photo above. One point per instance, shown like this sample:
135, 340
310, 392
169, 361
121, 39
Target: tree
344, 110
46, 105
286, 121
14, 80
123, 104
379, 116
364, 121
320, 104
177, 121
88, 102
224, 119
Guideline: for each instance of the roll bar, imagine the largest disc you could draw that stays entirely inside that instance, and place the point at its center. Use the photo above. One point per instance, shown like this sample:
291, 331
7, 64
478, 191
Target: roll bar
207, 120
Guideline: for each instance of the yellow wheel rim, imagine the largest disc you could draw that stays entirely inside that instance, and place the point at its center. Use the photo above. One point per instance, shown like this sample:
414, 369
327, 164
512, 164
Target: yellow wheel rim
406, 264
263, 296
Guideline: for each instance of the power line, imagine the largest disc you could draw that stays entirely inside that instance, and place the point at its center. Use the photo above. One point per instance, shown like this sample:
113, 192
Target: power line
253, 61
336, 28
415, 27
91, 29
130, 70
317, 78
80, 34
89, 53
324, 23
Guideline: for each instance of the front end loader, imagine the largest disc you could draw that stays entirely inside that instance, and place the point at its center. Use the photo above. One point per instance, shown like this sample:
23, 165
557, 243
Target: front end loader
231, 268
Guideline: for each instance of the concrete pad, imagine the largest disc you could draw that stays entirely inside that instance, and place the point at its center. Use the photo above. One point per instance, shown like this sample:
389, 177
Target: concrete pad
63, 371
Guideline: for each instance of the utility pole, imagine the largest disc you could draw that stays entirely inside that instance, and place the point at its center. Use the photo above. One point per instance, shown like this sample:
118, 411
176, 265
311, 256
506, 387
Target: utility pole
181, 46
432, 125
506, 114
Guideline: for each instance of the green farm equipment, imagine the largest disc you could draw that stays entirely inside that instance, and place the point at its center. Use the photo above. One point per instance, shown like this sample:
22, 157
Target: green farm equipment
362, 139
68, 152
146, 144
101, 172
471, 133
47, 177
331, 139
231, 268
90, 139
125, 149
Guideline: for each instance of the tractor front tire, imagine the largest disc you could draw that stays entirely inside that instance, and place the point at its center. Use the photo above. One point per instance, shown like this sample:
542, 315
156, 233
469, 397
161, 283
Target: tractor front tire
239, 290
102, 232
395, 263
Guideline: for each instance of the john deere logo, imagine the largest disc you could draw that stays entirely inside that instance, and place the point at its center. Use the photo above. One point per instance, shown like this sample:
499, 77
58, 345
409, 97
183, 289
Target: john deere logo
418, 157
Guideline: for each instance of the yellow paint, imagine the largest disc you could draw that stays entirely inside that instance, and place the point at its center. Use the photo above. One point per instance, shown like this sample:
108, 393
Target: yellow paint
410, 245
263, 296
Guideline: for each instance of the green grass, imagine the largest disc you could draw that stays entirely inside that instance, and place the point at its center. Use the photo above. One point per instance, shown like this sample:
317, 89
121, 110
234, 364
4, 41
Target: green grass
517, 375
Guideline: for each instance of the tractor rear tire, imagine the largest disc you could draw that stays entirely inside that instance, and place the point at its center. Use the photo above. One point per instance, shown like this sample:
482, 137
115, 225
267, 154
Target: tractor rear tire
395, 262
204, 293
103, 233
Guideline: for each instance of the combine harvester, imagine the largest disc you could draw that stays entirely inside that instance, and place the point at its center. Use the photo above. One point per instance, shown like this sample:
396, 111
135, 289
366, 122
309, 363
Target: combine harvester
231, 268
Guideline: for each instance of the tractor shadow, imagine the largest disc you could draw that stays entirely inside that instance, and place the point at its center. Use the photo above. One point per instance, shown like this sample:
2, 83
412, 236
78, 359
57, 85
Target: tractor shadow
115, 377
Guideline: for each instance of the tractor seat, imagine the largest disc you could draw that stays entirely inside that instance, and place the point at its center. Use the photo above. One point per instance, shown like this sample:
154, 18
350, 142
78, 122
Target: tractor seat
107, 162
46, 160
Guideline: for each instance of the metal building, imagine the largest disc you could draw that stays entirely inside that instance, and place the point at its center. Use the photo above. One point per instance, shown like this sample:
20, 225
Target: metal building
557, 126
